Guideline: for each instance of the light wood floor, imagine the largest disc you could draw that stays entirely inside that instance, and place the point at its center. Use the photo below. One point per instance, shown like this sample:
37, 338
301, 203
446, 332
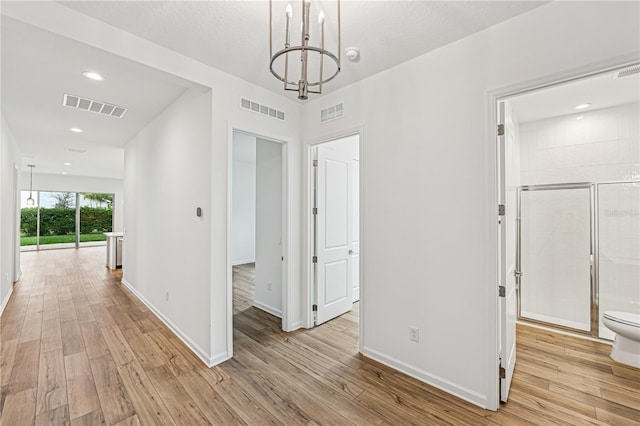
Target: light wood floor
78, 349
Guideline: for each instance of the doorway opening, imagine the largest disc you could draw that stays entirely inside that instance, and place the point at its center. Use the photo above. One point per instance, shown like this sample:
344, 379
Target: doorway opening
258, 230
335, 228
569, 187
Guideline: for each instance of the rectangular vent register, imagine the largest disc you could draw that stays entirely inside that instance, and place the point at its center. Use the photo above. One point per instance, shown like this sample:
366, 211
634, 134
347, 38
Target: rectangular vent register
92, 105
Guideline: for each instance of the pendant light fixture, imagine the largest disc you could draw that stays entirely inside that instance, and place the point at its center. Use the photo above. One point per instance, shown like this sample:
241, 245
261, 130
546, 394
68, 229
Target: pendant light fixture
30, 200
300, 82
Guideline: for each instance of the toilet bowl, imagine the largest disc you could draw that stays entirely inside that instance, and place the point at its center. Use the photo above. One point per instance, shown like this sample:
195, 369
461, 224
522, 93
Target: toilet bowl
626, 345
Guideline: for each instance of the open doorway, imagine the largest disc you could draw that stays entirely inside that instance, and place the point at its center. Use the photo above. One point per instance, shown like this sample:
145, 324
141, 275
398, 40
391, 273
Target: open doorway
258, 230
569, 184
335, 242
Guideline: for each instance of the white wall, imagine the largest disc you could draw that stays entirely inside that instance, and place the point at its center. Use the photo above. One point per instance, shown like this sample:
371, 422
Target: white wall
268, 278
429, 238
243, 220
71, 183
603, 146
9, 160
166, 247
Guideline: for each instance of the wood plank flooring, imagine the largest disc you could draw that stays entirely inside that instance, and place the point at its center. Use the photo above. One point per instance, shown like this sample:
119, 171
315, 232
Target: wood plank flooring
78, 349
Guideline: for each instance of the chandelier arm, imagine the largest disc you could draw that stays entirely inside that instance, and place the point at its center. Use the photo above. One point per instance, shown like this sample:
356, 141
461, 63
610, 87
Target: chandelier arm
339, 37
270, 29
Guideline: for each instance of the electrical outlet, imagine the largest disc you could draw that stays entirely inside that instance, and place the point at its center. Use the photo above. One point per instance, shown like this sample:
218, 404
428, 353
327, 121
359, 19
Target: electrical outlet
166, 295
269, 287
414, 334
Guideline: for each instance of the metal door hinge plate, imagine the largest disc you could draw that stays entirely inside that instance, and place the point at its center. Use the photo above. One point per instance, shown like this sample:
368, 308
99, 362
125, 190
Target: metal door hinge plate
315, 308
315, 259
501, 209
502, 291
315, 210
500, 129
315, 163
503, 373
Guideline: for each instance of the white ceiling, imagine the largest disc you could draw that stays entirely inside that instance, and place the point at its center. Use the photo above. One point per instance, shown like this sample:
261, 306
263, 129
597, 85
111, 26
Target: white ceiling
38, 67
233, 36
602, 91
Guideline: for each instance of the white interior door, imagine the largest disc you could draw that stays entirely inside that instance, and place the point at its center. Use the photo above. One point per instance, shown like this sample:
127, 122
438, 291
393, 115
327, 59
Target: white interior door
355, 229
508, 182
333, 234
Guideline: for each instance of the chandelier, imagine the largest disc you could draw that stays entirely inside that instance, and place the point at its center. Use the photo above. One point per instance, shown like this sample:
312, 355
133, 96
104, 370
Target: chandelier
30, 200
310, 56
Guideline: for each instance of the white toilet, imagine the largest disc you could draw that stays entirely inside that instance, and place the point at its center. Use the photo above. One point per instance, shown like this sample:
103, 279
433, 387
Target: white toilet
626, 345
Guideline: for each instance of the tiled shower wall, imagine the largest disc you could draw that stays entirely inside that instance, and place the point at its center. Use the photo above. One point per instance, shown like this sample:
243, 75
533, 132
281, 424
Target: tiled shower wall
603, 146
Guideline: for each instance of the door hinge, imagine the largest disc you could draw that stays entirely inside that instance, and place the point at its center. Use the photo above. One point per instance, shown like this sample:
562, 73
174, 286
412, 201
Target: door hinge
314, 308
315, 259
282, 258
315, 210
500, 129
500, 209
503, 373
502, 291
315, 163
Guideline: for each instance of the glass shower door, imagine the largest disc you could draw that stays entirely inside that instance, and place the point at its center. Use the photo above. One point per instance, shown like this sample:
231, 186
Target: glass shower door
618, 249
555, 255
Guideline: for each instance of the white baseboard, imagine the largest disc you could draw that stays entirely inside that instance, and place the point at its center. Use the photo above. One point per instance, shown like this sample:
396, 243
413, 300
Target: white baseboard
210, 361
5, 301
242, 262
438, 382
267, 308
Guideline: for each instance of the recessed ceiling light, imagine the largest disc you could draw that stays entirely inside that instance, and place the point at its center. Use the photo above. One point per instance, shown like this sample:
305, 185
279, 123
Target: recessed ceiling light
580, 117
93, 75
64, 173
76, 130
583, 106
67, 164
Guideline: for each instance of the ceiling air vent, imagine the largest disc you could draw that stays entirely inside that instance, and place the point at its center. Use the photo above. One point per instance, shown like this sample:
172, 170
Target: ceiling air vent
93, 106
77, 150
331, 113
252, 106
627, 72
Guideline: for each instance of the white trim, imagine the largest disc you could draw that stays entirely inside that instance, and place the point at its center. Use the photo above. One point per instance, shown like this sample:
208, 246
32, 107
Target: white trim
435, 381
6, 300
210, 361
242, 262
268, 309
492, 97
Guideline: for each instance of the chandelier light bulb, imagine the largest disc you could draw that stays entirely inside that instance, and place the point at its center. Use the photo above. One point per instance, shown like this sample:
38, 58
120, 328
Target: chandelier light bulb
321, 17
289, 11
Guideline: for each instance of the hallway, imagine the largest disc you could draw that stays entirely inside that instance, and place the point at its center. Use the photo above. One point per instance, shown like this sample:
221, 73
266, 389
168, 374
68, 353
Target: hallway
79, 349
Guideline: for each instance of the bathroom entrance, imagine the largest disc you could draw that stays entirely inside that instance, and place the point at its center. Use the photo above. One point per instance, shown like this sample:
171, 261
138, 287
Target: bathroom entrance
569, 221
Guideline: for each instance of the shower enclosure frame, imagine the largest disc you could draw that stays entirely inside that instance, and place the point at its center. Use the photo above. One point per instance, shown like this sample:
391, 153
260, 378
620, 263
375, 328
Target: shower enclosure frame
594, 248
593, 257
